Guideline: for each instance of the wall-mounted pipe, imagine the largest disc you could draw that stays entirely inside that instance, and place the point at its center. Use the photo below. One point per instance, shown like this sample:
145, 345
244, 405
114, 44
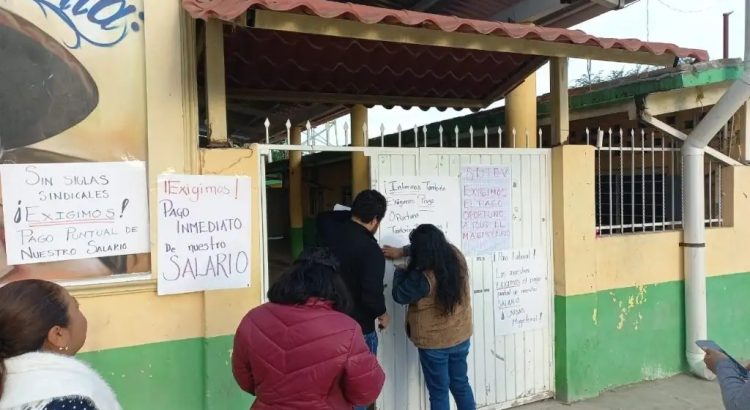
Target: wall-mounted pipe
694, 229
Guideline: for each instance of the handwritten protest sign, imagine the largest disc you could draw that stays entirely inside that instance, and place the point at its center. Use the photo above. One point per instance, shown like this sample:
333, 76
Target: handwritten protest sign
420, 200
486, 212
521, 290
70, 211
204, 233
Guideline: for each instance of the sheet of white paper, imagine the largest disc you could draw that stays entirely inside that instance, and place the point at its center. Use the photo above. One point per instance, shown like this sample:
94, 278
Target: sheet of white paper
420, 200
204, 233
521, 291
72, 211
486, 218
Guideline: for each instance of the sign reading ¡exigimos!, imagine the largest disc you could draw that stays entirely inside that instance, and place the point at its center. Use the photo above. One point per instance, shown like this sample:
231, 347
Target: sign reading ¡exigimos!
204, 233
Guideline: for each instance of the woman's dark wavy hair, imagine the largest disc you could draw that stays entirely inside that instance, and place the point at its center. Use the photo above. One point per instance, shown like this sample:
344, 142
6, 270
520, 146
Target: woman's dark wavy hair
313, 275
28, 310
430, 250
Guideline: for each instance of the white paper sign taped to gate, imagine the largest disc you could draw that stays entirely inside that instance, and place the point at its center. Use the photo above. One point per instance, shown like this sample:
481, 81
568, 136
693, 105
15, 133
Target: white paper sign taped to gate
486, 214
71, 211
204, 233
413, 201
521, 291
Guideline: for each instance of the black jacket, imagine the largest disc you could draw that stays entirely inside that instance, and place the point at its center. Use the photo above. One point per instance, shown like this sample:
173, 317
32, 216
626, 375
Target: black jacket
362, 264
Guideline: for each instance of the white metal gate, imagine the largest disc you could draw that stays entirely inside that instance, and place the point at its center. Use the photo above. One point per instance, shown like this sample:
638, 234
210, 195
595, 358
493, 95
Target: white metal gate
504, 371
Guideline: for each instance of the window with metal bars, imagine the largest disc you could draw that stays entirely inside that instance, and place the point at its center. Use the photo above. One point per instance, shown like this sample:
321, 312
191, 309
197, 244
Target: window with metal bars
638, 202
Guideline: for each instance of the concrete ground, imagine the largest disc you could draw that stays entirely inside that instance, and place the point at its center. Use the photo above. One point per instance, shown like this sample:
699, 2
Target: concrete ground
681, 392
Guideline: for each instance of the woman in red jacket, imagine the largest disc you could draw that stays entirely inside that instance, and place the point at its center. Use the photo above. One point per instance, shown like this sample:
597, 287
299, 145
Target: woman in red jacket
300, 351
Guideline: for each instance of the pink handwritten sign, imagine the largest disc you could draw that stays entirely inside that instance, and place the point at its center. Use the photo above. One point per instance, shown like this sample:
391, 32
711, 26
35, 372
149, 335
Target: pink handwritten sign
485, 208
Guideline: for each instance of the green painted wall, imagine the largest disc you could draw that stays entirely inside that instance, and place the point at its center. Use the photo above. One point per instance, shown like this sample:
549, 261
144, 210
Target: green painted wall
193, 374
297, 239
623, 336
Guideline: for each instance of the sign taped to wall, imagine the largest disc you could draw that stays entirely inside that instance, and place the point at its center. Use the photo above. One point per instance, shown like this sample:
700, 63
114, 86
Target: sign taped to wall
521, 291
71, 211
204, 233
413, 201
486, 214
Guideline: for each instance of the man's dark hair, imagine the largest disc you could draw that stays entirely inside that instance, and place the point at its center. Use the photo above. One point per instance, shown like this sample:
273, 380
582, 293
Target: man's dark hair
368, 205
313, 275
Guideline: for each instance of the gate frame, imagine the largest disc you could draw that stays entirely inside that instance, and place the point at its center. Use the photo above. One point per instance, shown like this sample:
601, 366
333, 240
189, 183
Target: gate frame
265, 150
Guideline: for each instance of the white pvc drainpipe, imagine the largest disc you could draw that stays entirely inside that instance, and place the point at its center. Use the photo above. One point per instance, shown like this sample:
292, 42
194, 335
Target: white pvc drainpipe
694, 229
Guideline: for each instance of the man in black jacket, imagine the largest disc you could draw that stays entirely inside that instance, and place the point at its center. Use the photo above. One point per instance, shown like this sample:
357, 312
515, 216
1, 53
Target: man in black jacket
351, 237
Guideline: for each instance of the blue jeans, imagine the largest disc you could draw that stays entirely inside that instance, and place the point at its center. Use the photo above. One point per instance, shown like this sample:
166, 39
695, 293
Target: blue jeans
371, 339
447, 370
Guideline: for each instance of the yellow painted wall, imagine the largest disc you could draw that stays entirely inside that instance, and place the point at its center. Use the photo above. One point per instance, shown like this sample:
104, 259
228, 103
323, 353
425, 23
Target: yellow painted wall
225, 309
139, 317
520, 114
132, 314
585, 263
573, 216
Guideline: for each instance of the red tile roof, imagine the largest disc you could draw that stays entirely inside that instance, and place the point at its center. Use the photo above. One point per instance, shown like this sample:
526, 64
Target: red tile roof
231, 9
301, 69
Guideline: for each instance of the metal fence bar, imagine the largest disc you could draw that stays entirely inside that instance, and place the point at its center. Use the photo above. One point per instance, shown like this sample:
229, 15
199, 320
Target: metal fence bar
610, 179
659, 209
346, 134
643, 176
599, 179
710, 192
267, 124
648, 149
663, 184
632, 179
720, 215
653, 185
673, 179
622, 183
644, 227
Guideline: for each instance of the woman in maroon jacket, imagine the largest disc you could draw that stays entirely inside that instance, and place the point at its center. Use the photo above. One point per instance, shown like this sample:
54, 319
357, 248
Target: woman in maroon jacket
300, 351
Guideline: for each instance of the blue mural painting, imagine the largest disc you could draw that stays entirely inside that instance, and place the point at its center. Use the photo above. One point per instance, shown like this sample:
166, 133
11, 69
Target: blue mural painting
86, 18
